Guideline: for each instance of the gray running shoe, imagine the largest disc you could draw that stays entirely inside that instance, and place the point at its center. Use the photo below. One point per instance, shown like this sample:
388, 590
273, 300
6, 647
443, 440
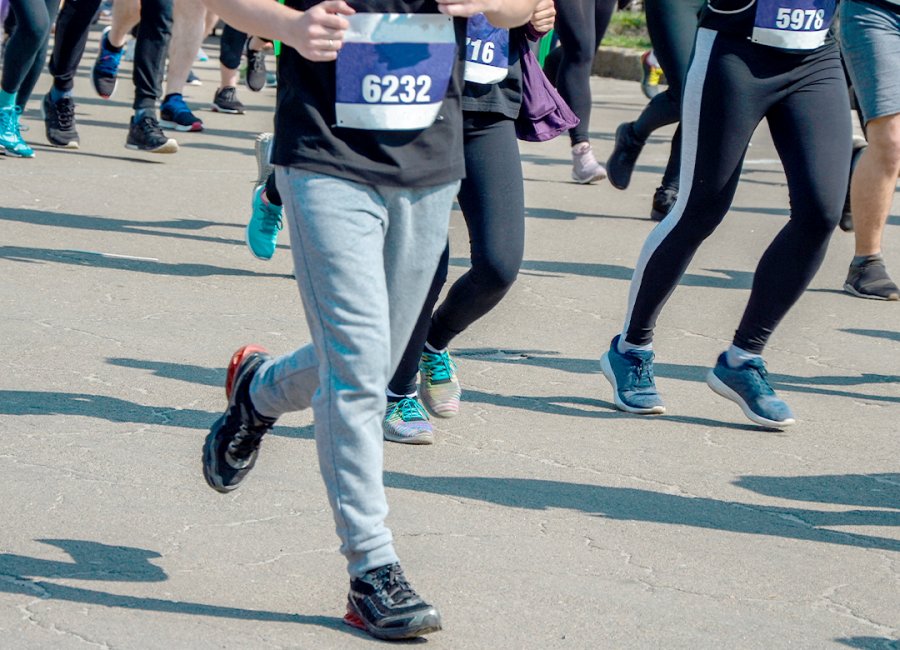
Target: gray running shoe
871, 280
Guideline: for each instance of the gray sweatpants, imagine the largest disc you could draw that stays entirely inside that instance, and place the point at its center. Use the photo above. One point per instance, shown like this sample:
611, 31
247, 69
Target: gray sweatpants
364, 258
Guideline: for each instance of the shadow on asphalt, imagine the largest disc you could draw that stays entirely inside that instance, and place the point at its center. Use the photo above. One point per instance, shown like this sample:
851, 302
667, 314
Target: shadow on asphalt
870, 643
630, 504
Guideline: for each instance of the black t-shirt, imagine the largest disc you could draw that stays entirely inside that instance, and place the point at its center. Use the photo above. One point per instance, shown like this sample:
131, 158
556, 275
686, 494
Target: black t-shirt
306, 135
505, 97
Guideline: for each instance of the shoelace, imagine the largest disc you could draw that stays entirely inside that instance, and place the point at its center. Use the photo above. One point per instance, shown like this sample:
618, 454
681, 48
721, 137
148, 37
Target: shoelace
150, 127
9, 121
257, 60
109, 62
758, 376
438, 367
271, 219
644, 372
179, 106
410, 410
65, 113
392, 582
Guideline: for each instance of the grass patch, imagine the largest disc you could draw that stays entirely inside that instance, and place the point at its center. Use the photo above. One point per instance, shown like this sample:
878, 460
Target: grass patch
628, 29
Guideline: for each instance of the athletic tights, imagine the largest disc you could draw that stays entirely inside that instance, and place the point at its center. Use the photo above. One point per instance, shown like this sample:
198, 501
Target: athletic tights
493, 204
731, 86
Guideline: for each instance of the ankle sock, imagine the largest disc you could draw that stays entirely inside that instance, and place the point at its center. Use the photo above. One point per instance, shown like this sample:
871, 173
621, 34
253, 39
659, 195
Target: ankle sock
735, 356
433, 350
7, 100
624, 346
56, 94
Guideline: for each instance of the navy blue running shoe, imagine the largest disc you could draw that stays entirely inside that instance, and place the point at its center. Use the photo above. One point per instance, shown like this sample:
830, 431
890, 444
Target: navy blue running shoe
384, 604
631, 376
104, 74
232, 446
748, 387
175, 114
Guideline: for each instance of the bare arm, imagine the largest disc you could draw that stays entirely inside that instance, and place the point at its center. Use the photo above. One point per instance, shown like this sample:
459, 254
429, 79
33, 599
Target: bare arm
500, 13
316, 34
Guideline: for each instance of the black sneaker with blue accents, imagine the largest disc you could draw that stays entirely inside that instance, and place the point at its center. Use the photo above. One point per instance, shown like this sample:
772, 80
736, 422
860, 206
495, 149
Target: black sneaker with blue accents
631, 376
748, 387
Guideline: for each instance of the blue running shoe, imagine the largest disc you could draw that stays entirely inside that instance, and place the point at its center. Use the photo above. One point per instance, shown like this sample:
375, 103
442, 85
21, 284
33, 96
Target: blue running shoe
631, 376
175, 114
11, 141
748, 387
264, 225
104, 74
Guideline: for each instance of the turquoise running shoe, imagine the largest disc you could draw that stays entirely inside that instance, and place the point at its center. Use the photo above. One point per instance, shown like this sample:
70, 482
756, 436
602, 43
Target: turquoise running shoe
10, 133
264, 226
439, 385
406, 421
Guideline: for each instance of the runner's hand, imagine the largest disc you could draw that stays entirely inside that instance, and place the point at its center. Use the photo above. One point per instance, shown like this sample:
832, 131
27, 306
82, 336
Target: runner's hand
319, 31
466, 8
544, 16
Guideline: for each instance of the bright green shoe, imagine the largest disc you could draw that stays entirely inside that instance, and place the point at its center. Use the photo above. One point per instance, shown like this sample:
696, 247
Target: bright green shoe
406, 421
439, 386
10, 135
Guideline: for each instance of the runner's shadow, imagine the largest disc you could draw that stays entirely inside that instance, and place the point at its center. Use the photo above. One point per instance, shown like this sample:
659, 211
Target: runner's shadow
95, 561
114, 409
179, 371
881, 334
150, 266
867, 490
870, 643
632, 504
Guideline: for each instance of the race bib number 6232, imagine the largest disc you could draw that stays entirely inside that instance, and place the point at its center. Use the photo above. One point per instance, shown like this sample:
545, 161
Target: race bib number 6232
393, 71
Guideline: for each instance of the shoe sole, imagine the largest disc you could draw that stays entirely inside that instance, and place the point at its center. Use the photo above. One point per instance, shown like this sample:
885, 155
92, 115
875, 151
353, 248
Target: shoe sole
428, 623
609, 177
656, 215
599, 176
450, 412
184, 128
720, 388
849, 288
421, 439
169, 147
209, 460
249, 247
622, 406
230, 111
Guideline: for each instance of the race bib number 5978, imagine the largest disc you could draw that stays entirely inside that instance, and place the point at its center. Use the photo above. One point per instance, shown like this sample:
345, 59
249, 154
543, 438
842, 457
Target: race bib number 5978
793, 24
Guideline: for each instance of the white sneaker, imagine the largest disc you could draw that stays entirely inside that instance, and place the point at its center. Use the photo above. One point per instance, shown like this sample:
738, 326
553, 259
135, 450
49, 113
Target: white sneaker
585, 168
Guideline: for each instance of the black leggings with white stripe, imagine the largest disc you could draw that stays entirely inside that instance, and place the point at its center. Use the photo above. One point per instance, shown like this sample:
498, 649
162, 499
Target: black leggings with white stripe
731, 85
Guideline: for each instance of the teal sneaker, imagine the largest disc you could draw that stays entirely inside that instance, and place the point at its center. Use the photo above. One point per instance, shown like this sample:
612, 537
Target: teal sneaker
748, 387
10, 134
631, 376
264, 225
406, 421
438, 385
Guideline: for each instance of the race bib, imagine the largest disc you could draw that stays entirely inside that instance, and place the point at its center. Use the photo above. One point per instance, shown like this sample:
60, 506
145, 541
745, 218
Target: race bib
393, 71
487, 51
793, 24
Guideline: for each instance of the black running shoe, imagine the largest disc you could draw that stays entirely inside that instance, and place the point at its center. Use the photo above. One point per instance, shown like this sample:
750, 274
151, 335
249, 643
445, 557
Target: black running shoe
384, 604
624, 156
226, 101
231, 448
871, 280
145, 134
663, 201
846, 222
256, 69
59, 121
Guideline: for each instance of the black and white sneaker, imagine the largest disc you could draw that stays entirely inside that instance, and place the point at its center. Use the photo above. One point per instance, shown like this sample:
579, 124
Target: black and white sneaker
384, 604
145, 134
226, 101
59, 121
256, 69
232, 445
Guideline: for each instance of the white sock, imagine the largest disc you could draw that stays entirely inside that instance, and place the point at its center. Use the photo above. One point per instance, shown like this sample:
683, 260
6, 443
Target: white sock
624, 346
395, 397
735, 356
429, 348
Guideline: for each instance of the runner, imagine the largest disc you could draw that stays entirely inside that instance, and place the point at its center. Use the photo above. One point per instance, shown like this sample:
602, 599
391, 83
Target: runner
672, 25
870, 35
492, 199
368, 155
771, 59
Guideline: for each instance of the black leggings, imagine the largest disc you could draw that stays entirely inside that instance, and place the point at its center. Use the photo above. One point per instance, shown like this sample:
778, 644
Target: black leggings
232, 47
493, 203
581, 25
672, 25
732, 84
26, 49
152, 43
